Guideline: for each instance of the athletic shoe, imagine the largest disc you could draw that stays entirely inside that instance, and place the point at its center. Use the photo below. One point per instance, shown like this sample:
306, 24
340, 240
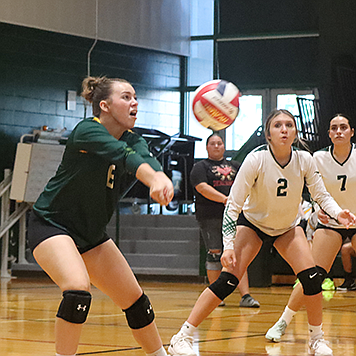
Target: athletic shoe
328, 294
249, 302
328, 284
348, 284
181, 345
276, 332
319, 347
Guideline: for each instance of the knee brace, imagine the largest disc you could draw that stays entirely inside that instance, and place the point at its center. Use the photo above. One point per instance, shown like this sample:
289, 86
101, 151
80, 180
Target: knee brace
224, 285
322, 272
140, 314
213, 261
74, 306
310, 280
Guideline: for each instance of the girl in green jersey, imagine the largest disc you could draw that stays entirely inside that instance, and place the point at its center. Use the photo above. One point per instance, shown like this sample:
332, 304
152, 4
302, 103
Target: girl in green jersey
67, 226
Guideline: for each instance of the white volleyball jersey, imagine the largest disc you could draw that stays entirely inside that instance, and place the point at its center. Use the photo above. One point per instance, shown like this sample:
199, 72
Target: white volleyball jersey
339, 179
270, 194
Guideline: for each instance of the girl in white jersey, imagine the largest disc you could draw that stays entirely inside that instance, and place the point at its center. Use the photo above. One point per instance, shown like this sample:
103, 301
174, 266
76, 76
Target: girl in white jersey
263, 203
337, 166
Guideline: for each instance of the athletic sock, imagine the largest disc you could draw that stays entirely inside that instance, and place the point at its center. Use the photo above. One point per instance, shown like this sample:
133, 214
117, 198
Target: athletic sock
287, 315
160, 352
187, 329
315, 332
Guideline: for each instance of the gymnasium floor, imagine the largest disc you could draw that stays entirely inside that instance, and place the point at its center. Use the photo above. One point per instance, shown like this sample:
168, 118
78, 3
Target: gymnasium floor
28, 307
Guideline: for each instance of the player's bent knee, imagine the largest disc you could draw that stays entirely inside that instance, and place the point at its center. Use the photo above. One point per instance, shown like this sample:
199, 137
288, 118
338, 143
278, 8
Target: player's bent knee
74, 306
213, 256
140, 314
213, 261
224, 285
310, 280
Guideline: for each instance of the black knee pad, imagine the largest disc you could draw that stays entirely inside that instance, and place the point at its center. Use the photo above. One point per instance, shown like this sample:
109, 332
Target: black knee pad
224, 285
74, 306
213, 261
310, 280
322, 272
140, 314
213, 257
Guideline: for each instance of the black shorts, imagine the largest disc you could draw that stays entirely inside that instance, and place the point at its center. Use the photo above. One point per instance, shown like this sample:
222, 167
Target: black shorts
39, 230
263, 236
211, 232
345, 233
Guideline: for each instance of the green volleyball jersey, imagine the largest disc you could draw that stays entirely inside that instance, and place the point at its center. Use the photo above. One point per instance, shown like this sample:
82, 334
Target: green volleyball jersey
96, 169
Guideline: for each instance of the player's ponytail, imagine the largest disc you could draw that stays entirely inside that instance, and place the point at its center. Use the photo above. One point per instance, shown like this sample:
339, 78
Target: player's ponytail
96, 89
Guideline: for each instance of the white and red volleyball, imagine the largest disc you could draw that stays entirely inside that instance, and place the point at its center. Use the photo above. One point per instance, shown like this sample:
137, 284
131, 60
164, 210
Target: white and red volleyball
216, 104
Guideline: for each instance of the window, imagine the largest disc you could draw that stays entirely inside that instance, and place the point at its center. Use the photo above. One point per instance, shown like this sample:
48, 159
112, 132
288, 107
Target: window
197, 130
202, 17
246, 123
289, 101
200, 62
255, 105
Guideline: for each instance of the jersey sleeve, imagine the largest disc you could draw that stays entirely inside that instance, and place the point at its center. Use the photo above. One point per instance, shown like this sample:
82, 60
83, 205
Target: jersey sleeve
240, 189
317, 188
198, 174
140, 146
94, 138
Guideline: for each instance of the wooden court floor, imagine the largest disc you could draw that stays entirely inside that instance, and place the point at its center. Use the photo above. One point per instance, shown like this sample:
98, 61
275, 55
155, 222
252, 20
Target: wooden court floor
28, 307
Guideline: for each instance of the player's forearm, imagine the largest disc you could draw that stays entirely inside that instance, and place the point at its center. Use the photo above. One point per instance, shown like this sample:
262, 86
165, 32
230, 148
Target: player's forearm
211, 193
146, 174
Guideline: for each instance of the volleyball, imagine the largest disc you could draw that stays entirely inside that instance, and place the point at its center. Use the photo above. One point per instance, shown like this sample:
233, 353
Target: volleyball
216, 104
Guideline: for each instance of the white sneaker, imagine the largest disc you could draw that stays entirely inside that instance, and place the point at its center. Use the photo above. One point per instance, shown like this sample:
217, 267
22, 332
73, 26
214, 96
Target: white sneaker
181, 345
276, 331
319, 347
249, 302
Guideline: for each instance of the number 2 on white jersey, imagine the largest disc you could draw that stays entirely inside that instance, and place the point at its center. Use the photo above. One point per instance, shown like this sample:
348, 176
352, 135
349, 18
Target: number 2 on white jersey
282, 188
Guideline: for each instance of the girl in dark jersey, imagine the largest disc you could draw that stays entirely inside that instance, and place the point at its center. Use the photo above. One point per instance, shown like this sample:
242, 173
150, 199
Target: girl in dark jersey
67, 226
